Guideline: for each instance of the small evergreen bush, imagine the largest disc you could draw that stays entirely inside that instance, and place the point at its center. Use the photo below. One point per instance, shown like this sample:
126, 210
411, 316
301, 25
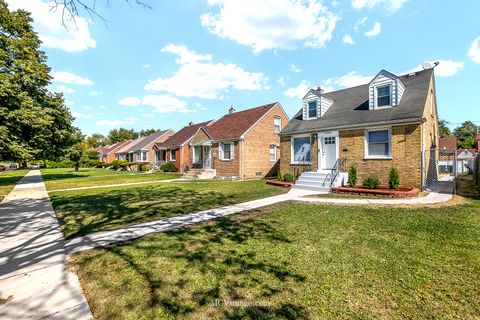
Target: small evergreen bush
279, 175
168, 167
371, 183
288, 177
352, 176
394, 179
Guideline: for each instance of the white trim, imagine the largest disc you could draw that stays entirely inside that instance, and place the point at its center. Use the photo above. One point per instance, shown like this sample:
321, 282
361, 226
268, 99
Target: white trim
307, 107
274, 152
320, 139
375, 96
280, 124
221, 150
366, 155
292, 153
174, 158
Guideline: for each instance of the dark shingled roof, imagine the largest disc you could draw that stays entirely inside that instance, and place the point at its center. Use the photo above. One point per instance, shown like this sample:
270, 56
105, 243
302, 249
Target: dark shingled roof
350, 107
448, 143
234, 125
143, 143
182, 136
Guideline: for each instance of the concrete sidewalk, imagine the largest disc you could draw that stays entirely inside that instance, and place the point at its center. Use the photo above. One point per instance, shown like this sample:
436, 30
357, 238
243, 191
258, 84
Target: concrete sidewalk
34, 280
104, 238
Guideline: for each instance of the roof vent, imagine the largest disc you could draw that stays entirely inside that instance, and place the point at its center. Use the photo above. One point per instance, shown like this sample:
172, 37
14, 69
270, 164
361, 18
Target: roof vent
231, 110
411, 74
190, 123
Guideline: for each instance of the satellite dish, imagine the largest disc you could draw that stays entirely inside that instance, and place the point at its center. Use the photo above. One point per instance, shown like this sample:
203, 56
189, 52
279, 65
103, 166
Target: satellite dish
426, 66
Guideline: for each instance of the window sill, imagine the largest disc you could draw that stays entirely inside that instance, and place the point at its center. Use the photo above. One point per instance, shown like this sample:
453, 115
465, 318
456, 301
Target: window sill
377, 158
300, 163
226, 160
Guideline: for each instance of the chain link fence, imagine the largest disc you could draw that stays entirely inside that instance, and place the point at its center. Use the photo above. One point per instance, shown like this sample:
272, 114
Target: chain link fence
440, 170
476, 172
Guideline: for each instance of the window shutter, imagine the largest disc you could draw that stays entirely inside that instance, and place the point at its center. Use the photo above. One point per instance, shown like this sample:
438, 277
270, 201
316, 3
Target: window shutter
232, 147
220, 151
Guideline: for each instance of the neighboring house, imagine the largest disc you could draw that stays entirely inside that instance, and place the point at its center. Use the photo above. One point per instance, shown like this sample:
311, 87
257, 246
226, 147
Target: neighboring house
143, 149
477, 146
243, 144
447, 150
175, 148
466, 160
107, 153
447, 143
390, 122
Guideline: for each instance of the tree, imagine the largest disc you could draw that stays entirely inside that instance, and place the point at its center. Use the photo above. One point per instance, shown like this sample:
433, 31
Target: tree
35, 124
121, 134
466, 135
96, 140
147, 132
444, 129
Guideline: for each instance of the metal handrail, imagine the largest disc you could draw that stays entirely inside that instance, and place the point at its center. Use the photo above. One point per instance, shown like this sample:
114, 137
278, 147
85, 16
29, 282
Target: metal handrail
335, 170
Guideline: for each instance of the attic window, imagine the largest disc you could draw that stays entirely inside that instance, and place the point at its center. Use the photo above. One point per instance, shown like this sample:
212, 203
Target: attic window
383, 96
312, 109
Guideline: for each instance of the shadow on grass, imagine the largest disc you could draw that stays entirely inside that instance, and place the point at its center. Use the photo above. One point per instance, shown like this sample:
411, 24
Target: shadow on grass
80, 214
217, 251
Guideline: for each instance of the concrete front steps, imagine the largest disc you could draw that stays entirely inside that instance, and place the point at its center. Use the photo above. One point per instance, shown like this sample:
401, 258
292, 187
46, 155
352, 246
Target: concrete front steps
313, 181
200, 174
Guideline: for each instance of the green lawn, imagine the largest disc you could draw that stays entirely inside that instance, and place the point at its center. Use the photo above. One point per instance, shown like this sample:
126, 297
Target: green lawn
67, 178
8, 179
296, 261
84, 211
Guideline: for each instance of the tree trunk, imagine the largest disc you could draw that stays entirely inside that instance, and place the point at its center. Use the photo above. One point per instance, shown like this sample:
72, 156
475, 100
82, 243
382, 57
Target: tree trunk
24, 165
76, 167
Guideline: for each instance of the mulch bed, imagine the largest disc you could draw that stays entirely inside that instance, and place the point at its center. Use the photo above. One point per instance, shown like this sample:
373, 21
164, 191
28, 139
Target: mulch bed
380, 191
279, 183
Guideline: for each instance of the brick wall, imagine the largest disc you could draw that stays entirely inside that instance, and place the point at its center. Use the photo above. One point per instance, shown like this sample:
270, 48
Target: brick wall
286, 155
406, 155
257, 145
227, 168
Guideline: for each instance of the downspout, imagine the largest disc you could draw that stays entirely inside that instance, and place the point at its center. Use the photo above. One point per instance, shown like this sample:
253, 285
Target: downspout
242, 165
422, 127
181, 158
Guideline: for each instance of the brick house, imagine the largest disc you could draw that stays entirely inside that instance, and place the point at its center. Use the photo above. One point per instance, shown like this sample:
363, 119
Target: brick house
107, 153
243, 144
176, 148
143, 149
390, 122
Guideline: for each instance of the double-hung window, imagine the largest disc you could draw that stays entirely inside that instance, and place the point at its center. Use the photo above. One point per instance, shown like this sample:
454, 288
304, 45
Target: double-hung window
172, 155
378, 144
143, 155
273, 153
384, 98
226, 151
277, 124
312, 109
301, 149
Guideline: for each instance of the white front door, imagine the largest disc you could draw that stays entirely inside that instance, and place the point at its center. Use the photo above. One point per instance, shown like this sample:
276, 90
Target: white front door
207, 160
328, 151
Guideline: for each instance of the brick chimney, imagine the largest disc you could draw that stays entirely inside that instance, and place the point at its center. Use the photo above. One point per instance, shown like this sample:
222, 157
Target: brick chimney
320, 90
231, 110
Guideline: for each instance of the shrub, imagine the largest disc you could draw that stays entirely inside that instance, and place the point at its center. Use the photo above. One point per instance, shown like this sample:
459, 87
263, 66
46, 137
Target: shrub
279, 175
352, 176
116, 164
60, 164
288, 177
371, 183
144, 166
186, 169
95, 164
393, 179
168, 167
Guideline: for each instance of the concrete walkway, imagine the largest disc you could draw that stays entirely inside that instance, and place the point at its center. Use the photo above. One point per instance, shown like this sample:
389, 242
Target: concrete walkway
104, 238
34, 280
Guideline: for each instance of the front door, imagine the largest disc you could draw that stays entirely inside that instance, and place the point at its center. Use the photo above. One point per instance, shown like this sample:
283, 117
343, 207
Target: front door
207, 157
328, 151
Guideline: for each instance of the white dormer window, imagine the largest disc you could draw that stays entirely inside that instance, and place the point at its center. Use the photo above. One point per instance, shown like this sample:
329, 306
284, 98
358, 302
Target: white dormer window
312, 109
384, 96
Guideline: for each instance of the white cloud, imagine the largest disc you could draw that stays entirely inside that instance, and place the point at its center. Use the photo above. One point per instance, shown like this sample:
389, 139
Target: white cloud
281, 81
95, 93
294, 68
351, 79
198, 77
446, 68
299, 91
185, 55
79, 115
474, 52
375, 31
271, 24
391, 5
166, 104
360, 23
70, 78
146, 66
65, 89
73, 37
116, 123
347, 39
130, 101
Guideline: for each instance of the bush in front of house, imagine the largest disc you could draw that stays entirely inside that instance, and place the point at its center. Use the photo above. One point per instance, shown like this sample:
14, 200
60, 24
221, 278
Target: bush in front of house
168, 167
117, 164
371, 183
144, 166
393, 179
352, 176
186, 169
288, 177
279, 175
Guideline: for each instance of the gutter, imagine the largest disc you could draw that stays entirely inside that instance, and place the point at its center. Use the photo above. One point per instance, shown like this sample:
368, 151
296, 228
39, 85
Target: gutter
358, 126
